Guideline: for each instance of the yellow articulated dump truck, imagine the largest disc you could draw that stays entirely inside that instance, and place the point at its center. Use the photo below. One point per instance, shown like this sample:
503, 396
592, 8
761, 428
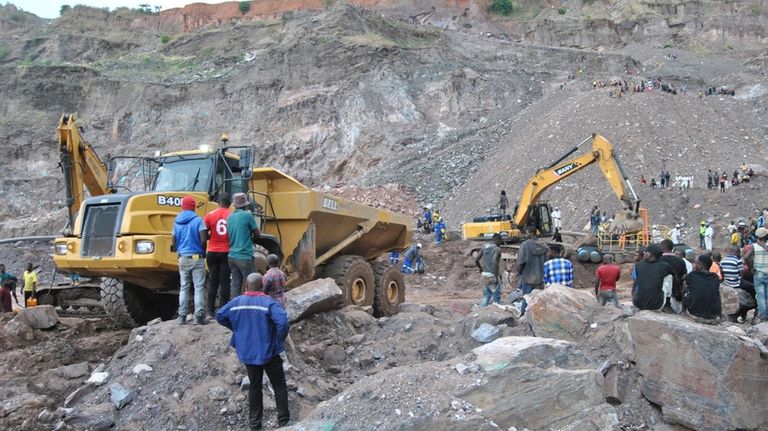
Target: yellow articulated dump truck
124, 236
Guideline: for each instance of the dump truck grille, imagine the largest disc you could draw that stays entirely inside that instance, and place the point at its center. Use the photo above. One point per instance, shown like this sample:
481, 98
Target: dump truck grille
100, 230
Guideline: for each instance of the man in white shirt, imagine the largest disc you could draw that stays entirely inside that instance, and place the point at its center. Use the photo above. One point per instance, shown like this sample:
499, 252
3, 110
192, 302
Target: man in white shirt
556, 216
708, 232
674, 234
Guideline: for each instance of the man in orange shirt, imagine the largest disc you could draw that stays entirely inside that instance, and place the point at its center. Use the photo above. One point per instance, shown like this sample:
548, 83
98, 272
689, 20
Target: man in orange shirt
217, 251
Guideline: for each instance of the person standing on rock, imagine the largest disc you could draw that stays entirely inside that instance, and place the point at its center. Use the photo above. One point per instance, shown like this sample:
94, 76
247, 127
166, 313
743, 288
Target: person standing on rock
503, 203
557, 270
30, 283
530, 264
605, 287
259, 327
488, 263
674, 234
594, 221
702, 229
654, 281
274, 280
188, 239
217, 253
708, 233
760, 262
557, 218
6, 306
242, 231
702, 291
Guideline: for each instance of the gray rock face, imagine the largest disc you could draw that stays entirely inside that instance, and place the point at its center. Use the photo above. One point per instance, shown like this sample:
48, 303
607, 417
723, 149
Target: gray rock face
120, 395
74, 371
95, 418
311, 298
486, 333
703, 377
17, 331
40, 317
520, 382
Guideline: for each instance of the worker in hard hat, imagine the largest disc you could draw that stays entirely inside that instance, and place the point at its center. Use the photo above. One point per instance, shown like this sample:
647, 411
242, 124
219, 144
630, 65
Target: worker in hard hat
702, 230
674, 234
440, 231
410, 258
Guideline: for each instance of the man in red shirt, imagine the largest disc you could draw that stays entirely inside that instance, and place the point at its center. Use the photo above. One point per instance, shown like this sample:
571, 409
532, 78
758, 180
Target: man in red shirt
607, 276
217, 251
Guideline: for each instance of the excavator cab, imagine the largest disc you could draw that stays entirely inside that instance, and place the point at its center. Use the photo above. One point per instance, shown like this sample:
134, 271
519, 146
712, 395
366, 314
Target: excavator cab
541, 219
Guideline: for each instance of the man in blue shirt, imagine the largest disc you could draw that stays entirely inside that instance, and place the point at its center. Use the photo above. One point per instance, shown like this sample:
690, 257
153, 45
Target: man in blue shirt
189, 235
259, 326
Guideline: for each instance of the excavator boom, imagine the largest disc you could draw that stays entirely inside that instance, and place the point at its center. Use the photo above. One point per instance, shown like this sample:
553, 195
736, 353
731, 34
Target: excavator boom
81, 166
602, 153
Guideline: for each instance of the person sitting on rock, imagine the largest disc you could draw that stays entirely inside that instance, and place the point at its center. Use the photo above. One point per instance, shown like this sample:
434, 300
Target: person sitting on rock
557, 270
701, 295
654, 281
733, 269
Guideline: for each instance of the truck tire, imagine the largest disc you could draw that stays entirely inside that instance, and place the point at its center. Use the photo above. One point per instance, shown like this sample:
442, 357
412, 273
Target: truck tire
355, 278
122, 303
390, 289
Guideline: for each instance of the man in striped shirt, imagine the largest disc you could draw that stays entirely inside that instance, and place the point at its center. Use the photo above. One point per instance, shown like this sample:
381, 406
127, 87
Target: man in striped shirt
732, 268
557, 270
274, 280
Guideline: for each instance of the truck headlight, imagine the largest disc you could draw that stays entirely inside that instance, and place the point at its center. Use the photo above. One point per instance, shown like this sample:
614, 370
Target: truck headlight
145, 247
60, 248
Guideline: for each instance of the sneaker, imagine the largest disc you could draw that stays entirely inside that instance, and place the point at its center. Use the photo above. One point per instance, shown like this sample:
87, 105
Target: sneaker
182, 320
200, 321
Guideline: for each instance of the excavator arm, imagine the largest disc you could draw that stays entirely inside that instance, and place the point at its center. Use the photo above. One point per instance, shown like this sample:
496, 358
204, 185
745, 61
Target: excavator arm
602, 153
81, 166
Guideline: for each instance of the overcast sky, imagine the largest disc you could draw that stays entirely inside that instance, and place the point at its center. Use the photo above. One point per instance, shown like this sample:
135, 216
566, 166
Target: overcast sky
50, 8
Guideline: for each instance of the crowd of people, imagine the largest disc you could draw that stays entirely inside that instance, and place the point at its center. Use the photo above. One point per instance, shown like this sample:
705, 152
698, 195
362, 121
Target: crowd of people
9, 283
715, 180
666, 276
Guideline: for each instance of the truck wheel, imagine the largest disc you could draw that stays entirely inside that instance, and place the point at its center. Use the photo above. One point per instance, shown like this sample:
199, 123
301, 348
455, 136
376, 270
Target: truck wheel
355, 278
122, 302
390, 289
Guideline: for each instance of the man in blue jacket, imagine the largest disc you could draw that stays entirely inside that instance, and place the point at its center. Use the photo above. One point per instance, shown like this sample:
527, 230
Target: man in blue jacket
189, 235
259, 326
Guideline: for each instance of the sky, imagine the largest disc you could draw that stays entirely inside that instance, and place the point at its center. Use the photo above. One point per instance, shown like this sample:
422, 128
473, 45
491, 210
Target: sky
50, 8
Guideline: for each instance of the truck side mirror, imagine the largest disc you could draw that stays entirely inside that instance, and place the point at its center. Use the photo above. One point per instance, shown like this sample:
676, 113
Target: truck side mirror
246, 154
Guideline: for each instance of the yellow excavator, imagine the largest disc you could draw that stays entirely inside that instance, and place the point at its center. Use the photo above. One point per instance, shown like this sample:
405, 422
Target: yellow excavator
532, 212
121, 234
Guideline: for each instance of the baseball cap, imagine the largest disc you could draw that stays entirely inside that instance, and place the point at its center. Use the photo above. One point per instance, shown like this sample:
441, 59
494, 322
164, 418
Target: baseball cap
239, 200
761, 232
418, 245
188, 203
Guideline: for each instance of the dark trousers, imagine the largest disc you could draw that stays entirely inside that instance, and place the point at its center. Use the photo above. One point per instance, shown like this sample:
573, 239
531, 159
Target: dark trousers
274, 369
241, 269
218, 279
27, 294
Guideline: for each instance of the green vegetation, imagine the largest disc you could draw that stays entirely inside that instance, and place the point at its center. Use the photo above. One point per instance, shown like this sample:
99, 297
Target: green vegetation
501, 7
4, 51
165, 39
205, 52
667, 45
561, 11
245, 6
64, 8
754, 10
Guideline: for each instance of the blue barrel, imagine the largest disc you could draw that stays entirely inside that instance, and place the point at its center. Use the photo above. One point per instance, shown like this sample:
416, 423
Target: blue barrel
582, 255
595, 256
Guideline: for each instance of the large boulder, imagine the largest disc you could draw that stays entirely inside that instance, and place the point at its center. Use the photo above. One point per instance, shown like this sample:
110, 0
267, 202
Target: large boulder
702, 376
40, 317
521, 382
314, 297
561, 312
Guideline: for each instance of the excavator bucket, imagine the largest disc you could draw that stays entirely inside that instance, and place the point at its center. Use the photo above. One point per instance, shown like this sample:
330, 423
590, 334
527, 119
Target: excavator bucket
625, 222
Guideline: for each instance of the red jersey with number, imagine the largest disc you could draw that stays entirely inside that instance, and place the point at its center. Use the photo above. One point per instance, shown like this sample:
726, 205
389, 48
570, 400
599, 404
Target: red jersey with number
216, 222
